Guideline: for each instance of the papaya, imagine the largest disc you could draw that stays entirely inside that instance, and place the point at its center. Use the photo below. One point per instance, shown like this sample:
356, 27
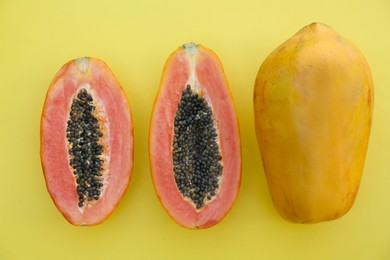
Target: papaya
86, 141
313, 107
194, 140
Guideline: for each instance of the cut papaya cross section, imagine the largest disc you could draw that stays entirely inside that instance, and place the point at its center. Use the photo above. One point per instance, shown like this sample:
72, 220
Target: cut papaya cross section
194, 142
86, 141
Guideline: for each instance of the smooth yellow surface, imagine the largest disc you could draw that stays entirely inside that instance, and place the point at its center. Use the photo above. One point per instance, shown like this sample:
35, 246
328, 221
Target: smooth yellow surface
313, 104
135, 38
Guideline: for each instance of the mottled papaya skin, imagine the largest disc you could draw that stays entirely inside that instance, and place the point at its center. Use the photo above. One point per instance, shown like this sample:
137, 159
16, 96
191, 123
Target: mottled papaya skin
313, 104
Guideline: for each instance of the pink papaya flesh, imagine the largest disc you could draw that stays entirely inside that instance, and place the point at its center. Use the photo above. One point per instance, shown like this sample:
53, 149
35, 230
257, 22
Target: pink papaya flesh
86, 141
194, 141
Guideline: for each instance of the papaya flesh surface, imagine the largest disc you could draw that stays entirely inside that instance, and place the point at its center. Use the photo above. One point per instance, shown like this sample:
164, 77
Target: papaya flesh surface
198, 67
115, 120
313, 104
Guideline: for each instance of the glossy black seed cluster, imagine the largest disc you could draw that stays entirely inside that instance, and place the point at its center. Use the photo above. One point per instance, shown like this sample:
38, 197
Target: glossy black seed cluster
85, 150
196, 155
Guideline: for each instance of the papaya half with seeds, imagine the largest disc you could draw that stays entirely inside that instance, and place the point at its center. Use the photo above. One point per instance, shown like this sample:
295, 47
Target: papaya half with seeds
313, 106
86, 141
194, 141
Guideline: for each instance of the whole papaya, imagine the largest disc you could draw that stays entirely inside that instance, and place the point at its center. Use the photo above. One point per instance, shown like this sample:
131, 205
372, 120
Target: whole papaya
313, 105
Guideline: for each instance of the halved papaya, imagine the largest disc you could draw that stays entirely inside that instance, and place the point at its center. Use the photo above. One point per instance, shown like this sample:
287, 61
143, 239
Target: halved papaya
194, 141
313, 104
86, 141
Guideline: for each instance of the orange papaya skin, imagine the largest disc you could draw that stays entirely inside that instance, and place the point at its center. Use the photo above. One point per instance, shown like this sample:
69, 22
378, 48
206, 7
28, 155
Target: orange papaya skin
313, 105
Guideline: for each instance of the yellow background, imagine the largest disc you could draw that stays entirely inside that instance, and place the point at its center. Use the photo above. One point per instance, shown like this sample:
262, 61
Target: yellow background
135, 39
